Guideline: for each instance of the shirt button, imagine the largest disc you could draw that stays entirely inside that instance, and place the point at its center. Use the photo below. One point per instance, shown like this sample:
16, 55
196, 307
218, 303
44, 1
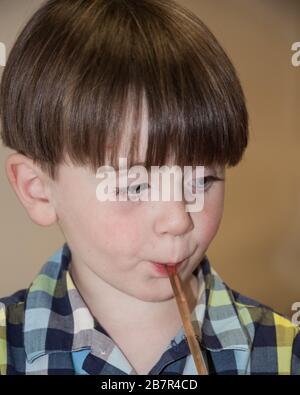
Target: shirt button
173, 343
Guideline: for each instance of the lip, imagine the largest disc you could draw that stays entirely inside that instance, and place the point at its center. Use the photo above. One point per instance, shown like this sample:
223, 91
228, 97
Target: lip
161, 268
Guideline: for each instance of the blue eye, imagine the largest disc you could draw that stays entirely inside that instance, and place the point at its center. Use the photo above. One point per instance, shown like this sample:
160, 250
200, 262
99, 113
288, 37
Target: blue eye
205, 182
202, 184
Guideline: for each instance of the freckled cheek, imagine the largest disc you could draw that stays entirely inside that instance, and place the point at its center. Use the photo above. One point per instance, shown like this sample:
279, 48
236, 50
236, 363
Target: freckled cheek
121, 236
209, 228
209, 220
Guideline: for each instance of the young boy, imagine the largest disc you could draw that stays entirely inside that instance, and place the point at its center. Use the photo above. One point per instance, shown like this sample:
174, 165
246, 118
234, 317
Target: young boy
89, 82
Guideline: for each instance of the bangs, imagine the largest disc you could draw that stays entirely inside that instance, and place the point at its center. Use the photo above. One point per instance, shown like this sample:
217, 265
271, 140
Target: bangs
130, 70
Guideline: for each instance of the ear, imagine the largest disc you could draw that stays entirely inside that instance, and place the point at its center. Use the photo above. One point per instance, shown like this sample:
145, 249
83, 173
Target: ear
31, 186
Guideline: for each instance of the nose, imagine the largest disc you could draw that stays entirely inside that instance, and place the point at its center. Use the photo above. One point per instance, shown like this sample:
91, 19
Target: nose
173, 218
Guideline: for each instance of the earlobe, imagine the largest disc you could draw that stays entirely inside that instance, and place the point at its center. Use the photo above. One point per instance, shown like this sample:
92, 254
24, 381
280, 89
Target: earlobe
31, 188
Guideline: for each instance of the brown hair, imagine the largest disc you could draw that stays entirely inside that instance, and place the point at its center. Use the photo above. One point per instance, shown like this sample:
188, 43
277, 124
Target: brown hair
79, 65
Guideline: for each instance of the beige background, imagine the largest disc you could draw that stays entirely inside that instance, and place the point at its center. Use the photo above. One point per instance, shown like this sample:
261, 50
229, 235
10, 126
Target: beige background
257, 250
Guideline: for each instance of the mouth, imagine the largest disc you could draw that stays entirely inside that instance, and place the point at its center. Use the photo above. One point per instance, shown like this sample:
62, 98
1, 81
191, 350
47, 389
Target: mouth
161, 268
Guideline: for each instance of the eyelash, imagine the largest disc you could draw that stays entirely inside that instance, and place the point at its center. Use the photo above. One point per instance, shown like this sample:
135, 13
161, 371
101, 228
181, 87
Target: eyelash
211, 179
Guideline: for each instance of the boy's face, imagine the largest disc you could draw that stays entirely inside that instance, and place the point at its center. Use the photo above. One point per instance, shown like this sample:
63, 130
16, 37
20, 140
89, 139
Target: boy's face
116, 241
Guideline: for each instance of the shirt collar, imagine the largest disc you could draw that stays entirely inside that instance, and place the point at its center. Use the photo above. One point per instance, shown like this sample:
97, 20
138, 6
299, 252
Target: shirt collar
57, 319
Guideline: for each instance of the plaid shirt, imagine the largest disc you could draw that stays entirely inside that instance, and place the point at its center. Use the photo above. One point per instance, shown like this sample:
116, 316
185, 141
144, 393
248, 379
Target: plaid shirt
48, 329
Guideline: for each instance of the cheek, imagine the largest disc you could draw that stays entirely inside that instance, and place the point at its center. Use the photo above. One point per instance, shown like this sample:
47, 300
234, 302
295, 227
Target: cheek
210, 217
119, 233
79, 222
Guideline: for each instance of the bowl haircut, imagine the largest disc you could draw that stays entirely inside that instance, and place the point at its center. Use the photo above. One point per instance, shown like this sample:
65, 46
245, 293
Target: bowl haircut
81, 69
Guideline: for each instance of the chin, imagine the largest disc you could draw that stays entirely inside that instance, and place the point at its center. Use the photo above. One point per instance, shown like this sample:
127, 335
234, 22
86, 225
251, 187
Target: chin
155, 295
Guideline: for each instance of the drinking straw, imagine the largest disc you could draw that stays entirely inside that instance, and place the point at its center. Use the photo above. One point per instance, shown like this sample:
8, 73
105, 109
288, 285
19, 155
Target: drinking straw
186, 320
